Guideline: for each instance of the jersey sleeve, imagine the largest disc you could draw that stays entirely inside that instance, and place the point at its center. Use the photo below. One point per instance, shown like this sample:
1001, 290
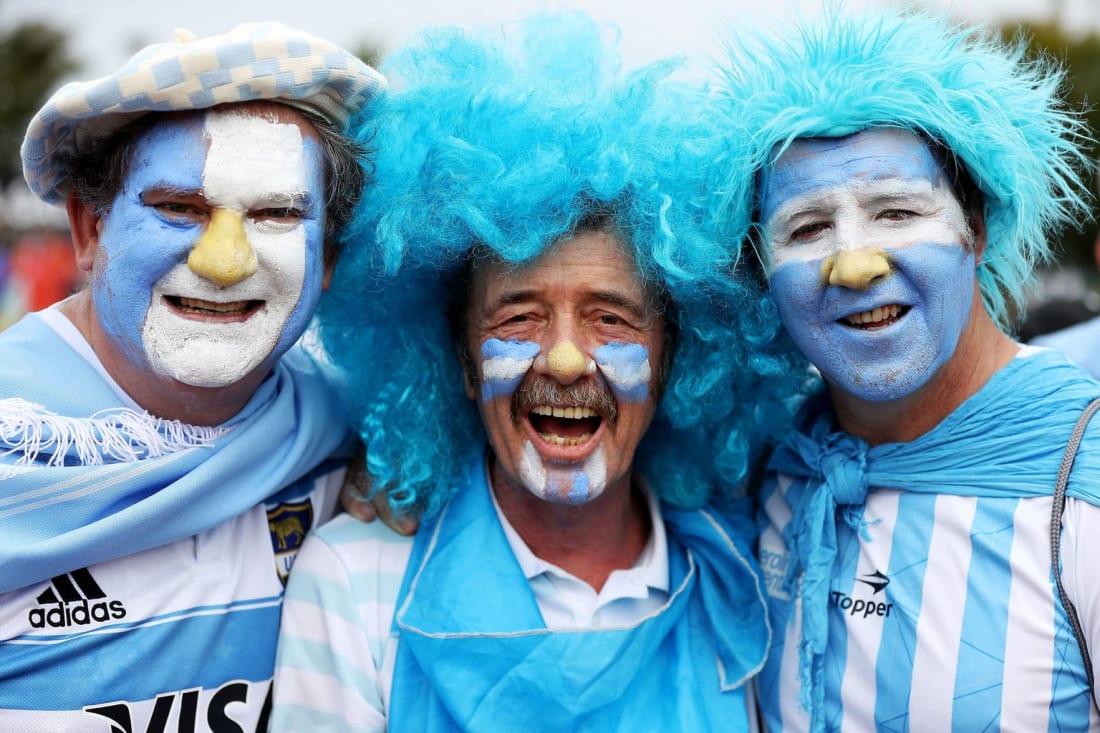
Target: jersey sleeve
336, 651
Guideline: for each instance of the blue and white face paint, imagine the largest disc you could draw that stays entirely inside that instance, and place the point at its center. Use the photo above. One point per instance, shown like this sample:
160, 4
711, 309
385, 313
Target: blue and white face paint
626, 369
210, 259
870, 259
504, 364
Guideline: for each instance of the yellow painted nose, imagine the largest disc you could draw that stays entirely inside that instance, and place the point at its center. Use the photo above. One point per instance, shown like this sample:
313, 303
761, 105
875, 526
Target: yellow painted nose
856, 269
223, 255
566, 362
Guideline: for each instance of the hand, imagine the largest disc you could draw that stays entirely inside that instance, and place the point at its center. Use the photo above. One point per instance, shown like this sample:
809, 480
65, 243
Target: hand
357, 484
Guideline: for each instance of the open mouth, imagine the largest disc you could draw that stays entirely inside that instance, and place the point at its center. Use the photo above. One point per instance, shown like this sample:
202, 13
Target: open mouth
237, 310
876, 318
565, 426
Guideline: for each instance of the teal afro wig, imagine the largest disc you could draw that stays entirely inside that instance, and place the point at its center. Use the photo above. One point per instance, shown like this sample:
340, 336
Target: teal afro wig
504, 144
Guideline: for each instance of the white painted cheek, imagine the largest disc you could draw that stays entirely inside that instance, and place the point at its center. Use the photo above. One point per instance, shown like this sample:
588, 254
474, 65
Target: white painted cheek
531, 470
596, 470
250, 160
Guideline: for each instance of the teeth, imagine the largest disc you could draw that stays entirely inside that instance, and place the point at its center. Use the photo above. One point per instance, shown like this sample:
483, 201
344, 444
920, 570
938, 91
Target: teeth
208, 306
876, 315
564, 439
569, 413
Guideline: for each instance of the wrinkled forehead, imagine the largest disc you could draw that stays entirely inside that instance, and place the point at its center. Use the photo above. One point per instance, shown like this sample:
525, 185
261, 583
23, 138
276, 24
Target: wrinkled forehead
591, 262
808, 165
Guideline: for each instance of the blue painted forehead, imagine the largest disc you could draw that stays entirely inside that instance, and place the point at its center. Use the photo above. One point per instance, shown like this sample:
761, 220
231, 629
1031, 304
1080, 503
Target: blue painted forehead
815, 163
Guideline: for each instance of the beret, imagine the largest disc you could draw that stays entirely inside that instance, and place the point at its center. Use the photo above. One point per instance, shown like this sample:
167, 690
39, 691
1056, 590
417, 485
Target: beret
254, 61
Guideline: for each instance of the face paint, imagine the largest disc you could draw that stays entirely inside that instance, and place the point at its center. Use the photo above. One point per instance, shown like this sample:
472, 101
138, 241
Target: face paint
211, 324
568, 484
566, 434
870, 262
503, 366
626, 369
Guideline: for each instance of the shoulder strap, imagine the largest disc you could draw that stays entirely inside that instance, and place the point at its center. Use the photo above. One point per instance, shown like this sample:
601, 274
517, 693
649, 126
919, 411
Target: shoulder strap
1057, 507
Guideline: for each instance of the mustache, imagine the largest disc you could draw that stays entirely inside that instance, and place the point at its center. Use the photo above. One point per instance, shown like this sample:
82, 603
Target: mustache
595, 395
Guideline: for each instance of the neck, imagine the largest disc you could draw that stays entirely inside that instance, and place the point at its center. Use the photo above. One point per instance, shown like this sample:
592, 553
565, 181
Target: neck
159, 396
588, 540
983, 350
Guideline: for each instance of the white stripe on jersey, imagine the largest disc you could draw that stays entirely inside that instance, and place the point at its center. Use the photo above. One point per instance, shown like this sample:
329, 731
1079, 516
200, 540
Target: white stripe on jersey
857, 691
939, 627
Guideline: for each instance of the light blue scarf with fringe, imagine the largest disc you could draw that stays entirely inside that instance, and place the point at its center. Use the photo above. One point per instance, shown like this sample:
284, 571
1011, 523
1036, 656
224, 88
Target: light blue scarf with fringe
84, 479
1007, 440
475, 655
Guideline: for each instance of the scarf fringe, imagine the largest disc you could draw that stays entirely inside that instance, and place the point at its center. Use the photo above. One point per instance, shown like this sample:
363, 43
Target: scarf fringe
117, 435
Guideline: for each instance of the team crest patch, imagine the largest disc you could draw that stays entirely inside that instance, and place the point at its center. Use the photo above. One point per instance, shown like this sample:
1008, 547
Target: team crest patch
288, 522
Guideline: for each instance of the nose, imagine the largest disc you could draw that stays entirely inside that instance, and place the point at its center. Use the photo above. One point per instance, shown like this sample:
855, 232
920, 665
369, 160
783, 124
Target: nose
222, 254
567, 364
856, 269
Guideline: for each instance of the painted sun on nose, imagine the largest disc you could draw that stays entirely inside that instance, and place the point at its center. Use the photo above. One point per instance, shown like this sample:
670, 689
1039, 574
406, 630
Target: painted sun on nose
222, 254
856, 269
566, 362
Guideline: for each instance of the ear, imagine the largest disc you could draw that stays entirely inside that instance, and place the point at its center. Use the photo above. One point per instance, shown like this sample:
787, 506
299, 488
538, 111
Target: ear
469, 377
330, 253
84, 224
977, 225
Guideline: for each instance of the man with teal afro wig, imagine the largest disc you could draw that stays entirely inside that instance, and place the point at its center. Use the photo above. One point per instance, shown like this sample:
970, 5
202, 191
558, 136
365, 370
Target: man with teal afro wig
907, 176
550, 357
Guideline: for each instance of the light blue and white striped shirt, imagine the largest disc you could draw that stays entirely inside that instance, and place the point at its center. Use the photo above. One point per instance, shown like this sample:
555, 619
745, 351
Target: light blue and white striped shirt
943, 617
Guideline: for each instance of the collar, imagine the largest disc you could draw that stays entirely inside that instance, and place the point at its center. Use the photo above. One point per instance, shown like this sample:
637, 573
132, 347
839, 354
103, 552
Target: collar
650, 570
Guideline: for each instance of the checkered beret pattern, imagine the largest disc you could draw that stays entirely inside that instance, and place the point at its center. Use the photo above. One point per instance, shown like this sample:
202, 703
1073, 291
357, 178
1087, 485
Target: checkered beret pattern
254, 61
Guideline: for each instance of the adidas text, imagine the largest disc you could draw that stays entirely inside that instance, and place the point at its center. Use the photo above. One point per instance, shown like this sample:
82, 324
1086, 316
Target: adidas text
76, 614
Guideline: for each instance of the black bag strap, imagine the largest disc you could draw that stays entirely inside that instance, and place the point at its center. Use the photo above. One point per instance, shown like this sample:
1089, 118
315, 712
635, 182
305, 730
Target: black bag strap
1057, 507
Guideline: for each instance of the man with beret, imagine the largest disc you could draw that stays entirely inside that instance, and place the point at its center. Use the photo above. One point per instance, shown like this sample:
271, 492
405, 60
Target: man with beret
163, 448
928, 567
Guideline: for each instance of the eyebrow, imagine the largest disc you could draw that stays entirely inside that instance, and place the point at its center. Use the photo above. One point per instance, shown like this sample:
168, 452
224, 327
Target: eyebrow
164, 189
617, 298
297, 199
820, 202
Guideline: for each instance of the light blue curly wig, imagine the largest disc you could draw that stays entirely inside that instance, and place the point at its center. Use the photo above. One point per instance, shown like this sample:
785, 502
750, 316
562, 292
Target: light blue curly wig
504, 145
998, 113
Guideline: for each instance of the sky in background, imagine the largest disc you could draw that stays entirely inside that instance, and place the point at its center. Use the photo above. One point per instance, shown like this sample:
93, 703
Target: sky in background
104, 33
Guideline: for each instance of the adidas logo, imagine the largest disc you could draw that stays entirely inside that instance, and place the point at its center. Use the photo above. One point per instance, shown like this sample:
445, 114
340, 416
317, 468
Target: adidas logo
73, 599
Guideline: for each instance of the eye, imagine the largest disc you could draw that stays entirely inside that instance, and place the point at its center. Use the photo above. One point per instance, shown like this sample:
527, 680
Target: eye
898, 215
518, 318
278, 213
809, 232
178, 211
610, 319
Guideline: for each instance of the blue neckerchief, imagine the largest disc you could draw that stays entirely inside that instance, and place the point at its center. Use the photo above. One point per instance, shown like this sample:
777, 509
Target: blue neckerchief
1007, 440
475, 655
58, 513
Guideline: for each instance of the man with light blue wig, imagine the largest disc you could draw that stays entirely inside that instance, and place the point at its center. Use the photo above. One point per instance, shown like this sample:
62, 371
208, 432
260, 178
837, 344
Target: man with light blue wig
163, 447
545, 354
907, 177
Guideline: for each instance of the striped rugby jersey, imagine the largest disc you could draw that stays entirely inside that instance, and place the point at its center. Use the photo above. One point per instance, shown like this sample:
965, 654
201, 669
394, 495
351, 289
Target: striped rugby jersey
944, 618
178, 638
